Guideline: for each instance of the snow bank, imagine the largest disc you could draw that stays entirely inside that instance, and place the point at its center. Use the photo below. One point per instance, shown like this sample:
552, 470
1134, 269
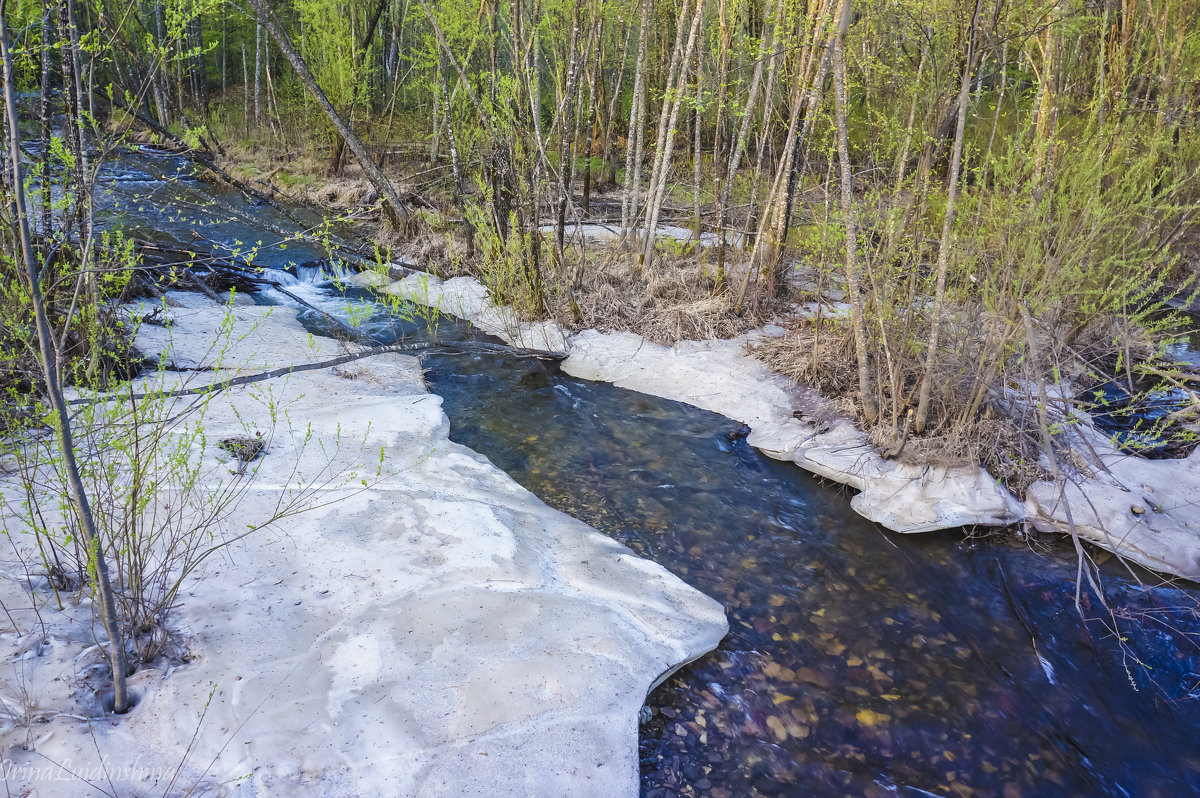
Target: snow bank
439, 632
1143, 510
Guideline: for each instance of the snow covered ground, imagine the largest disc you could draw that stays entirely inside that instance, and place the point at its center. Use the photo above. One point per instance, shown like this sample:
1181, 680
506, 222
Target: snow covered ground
437, 632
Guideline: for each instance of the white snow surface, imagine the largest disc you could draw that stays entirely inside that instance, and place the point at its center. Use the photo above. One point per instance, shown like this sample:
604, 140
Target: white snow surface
440, 632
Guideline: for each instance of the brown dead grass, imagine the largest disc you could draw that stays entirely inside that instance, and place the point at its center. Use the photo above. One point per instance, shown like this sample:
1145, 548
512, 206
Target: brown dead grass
677, 300
823, 358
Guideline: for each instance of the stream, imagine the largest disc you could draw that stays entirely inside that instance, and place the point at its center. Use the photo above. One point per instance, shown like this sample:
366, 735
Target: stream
859, 662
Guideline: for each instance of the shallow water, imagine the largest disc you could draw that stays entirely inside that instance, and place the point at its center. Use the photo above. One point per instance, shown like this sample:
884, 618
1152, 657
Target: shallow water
859, 662
156, 196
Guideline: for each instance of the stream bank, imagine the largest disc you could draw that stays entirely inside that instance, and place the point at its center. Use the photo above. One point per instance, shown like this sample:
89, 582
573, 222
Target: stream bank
1142, 510
858, 663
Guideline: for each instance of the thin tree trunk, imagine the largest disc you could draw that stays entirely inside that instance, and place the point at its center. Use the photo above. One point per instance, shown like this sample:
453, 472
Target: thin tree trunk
51, 372
72, 110
637, 124
245, 92
258, 48
200, 70
749, 231
659, 182
273, 102
853, 284
664, 121
46, 112
737, 147
597, 41
719, 163
812, 102
939, 300
455, 163
697, 172
1047, 103
610, 159
161, 67
566, 129
436, 138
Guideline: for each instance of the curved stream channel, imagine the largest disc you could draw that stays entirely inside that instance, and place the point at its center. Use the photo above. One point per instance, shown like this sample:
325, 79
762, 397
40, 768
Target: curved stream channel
859, 662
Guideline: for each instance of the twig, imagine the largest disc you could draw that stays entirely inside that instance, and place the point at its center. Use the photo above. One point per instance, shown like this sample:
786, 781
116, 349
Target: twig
283, 371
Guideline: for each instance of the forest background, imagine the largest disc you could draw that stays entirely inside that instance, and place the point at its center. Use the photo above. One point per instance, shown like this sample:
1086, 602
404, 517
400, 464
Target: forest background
976, 180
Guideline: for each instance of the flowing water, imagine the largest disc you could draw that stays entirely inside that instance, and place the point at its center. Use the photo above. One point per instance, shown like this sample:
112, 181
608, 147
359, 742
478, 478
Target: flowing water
859, 662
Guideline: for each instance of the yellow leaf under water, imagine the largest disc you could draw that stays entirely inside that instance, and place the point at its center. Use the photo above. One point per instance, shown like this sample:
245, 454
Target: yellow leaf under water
868, 717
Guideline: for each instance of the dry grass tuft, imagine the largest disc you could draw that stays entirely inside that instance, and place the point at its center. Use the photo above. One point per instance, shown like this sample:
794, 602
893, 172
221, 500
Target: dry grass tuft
822, 357
678, 300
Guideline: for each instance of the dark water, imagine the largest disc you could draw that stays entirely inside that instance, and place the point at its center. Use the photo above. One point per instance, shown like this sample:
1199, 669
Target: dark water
1141, 423
1185, 345
1138, 417
859, 662
157, 196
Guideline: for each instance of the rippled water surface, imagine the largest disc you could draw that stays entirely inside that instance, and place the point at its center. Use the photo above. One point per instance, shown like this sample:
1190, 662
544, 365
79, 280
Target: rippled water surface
859, 662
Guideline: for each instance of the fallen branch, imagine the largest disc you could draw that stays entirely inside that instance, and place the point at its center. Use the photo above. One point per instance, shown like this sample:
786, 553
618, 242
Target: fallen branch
461, 348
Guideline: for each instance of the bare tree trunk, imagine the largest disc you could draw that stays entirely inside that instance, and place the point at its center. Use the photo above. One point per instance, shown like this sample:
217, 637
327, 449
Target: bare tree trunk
245, 92
637, 124
939, 300
566, 131
815, 92
589, 142
52, 375
455, 163
610, 160
697, 172
737, 147
273, 102
853, 285
199, 68
73, 129
394, 206
159, 67
664, 120
659, 182
258, 48
719, 165
776, 209
46, 112
435, 139
1047, 103
749, 231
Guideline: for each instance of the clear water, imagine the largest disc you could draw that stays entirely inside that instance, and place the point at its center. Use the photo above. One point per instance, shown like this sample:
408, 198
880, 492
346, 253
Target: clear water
859, 662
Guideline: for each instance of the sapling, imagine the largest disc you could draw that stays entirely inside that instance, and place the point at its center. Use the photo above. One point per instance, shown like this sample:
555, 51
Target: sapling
52, 374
